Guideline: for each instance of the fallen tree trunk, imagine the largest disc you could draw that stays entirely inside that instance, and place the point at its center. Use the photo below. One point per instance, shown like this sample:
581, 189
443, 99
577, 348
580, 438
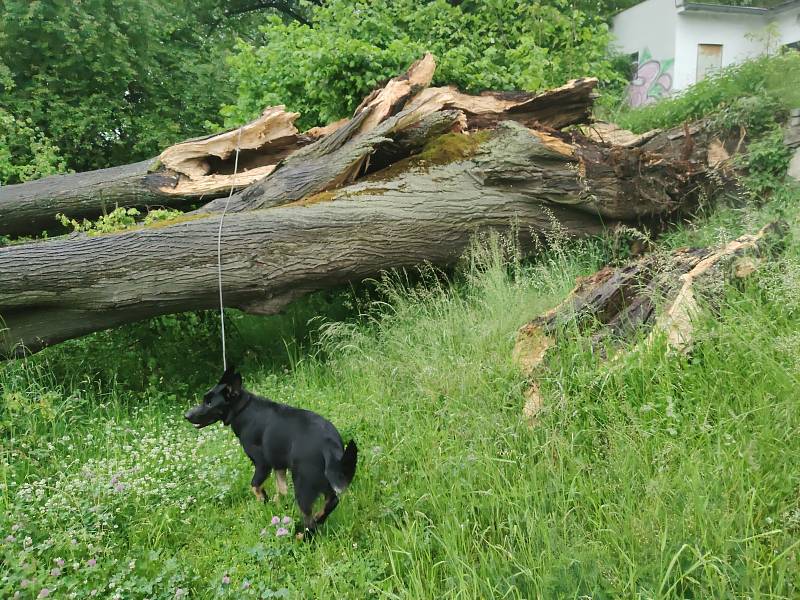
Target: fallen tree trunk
182, 175
697, 141
422, 209
655, 295
202, 169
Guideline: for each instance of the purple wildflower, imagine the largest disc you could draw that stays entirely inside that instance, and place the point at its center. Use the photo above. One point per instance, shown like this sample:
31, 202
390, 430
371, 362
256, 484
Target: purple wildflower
55, 572
59, 562
119, 487
43, 593
286, 520
225, 579
275, 520
16, 527
282, 531
24, 583
91, 562
245, 585
10, 539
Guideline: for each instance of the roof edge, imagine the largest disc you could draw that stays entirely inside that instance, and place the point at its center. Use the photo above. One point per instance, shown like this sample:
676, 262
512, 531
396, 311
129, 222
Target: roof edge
722, 8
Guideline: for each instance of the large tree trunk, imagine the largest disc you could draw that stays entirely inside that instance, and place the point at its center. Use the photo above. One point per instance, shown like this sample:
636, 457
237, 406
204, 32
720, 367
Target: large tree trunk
183, 174
203, 169
422, 209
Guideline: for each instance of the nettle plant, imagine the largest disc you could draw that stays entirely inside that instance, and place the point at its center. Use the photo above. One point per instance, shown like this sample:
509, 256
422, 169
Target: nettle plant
119, 219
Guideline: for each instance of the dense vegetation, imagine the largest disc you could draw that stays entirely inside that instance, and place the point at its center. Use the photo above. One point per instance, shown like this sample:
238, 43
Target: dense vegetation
665, 477
323, 71
93, 84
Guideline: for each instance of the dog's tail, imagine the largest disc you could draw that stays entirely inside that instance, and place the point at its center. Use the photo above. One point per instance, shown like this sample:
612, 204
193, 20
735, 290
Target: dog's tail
340, 471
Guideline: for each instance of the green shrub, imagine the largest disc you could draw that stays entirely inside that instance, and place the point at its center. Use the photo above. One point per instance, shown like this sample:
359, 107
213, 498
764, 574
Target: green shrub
324, 71
25, 152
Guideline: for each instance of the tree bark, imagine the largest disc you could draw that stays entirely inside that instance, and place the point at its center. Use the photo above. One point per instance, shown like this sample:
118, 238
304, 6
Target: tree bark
202, 169
423, 209
655, 295
182, 175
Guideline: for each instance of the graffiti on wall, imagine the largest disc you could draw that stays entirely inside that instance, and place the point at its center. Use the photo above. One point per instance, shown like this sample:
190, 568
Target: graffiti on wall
652, 80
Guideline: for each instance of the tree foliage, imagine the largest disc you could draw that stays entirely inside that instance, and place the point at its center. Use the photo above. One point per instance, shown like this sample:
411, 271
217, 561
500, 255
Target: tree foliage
322, 70
97, 83
25, 152
108, 81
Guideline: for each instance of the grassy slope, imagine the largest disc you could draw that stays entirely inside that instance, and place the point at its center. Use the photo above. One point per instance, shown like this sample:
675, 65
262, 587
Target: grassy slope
669, 477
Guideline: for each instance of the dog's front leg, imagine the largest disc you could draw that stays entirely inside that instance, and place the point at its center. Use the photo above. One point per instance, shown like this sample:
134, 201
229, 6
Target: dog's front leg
261, 474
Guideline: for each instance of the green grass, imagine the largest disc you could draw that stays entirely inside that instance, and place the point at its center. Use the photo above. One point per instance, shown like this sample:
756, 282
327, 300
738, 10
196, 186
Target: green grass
668, 477
663, 476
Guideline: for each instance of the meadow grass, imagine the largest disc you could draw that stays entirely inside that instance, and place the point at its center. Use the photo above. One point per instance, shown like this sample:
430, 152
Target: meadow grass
664, 477
655, 476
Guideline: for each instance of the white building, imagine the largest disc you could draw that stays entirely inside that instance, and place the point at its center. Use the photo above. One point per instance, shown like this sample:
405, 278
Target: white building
674, 43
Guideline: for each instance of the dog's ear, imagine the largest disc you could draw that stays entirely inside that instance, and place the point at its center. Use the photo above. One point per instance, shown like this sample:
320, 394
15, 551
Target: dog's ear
228, 374
235, 384
232, 380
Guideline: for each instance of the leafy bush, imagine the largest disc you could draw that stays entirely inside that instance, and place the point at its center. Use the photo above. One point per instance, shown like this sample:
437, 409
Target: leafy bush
119, 219
324, 71
25, 152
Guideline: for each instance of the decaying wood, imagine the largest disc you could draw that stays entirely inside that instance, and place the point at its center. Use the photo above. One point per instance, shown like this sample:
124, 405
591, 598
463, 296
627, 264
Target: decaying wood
656, 295
203, 168
422, 209
387, 101
569, 104
696, 142
384, 117
262, 144
183, 174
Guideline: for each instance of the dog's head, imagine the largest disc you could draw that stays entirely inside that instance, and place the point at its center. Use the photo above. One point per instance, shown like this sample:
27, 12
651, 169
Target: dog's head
218, 401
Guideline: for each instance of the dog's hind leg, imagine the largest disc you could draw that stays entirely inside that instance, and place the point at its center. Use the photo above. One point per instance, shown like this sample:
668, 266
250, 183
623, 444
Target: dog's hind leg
260, 475
280, 485
305, 494
331, 501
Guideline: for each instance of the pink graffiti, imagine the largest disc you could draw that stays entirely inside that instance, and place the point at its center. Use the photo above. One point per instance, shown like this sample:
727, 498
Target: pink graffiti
651, 83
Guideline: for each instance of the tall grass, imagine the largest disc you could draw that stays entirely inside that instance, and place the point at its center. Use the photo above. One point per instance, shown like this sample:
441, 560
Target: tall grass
668, 477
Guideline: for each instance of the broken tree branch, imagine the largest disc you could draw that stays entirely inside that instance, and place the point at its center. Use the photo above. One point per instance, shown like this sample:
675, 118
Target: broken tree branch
655, 295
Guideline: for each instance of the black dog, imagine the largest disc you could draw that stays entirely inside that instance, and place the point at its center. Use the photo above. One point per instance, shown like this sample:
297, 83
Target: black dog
280, 437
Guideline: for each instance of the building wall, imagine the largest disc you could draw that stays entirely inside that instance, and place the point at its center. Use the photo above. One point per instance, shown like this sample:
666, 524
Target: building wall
666, 39
649, 30
732, 31
788, 25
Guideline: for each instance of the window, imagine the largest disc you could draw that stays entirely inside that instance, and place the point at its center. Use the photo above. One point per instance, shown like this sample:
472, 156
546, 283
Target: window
709, 59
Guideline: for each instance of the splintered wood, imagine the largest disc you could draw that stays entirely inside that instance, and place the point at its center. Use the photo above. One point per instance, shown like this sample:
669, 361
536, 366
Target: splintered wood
656, 295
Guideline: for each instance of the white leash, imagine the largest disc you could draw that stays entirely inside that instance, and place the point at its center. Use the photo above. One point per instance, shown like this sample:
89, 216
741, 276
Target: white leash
219, 250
